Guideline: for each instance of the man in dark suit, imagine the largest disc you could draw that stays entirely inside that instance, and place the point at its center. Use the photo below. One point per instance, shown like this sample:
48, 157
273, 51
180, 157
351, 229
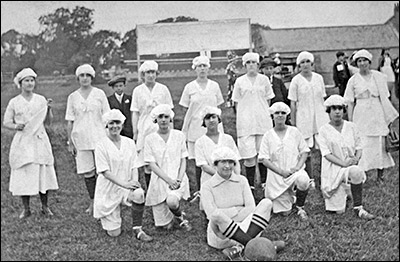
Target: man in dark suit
121, 101
341, 72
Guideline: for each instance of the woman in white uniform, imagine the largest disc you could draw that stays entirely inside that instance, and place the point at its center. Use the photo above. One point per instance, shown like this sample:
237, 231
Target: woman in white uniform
118, 180
234, 218
31, 158
373, 113
165, 152
208, 142
284, 151
196, 95
144, 98
85, 108
252, 95
341, 150
307, 92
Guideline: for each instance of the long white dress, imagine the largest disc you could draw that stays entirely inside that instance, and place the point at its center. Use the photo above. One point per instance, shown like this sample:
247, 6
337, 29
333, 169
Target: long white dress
31, 157
387, 69
342, 145
284, 153
120, 162
168, 156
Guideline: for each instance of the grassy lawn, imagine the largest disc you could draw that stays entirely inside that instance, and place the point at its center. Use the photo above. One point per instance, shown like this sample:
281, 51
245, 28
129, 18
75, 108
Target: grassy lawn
73, 235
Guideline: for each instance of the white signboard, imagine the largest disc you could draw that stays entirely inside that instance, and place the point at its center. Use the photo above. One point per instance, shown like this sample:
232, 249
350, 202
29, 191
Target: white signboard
166, 38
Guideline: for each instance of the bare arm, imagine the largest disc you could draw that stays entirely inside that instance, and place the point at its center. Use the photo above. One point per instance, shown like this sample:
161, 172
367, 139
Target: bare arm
293, 109
131, 184
71, 146
135, 119
350, 110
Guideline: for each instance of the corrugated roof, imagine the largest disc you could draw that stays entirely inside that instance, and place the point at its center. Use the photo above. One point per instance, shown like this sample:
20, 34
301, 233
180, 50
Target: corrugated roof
330, 38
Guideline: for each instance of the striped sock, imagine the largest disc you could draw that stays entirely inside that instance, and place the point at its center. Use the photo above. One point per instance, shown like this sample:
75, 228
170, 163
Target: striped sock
258, 223
233, 231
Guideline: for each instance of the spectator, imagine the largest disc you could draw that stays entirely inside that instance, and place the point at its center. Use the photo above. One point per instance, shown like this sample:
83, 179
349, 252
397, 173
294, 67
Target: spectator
196, 95
165, 152
234, 218
307, 92
118, 181
283, 151
341, 72
252, 95
232, 74
31, 157
85, 108
121, 101
341, 150
386, 66
370, 109
144, 98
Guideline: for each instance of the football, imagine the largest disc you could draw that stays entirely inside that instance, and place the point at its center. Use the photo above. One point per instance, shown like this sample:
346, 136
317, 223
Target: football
260, 249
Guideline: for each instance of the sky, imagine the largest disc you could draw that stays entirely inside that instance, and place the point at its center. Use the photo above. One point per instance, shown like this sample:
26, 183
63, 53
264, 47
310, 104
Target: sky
123, 16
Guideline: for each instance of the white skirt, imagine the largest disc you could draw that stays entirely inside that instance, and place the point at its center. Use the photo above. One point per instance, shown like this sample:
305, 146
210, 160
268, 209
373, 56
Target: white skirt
31, 179
374, 155
388, 71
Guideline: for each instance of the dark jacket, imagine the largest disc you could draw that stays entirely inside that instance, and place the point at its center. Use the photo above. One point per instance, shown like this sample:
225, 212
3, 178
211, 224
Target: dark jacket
280, 91
124, 107
341, 77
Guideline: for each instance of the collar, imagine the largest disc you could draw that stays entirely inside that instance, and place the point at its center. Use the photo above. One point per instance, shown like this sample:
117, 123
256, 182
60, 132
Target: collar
119, 97
217, 180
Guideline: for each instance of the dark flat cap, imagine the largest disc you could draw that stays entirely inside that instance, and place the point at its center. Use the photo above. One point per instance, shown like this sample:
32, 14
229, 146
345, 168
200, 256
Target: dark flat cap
116, 79
340, 53
266, 62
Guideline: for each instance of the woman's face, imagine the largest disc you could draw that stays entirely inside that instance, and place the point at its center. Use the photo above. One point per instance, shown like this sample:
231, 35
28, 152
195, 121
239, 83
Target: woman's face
336, 113
163, 121
251, 66
28, 83
150, 76
202, 70
225, 168
363, 63
305, 65
211, 122
114, 127
85, 79
280, 117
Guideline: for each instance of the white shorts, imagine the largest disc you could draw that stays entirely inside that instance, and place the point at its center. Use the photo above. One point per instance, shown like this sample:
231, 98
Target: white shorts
85, 161
113, 221
161, 212
249, 146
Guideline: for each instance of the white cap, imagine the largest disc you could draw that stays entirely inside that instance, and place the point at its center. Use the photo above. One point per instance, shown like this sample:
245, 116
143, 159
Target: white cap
304, 56
250, 56
149, 65
335, 100
112, 115
23, 74
223, 153
162, 109
210, 110
279, 107
200, 60
363, 53
85, 69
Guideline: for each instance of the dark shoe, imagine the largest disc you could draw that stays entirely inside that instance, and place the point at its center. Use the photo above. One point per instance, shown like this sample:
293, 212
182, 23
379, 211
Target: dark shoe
25, 214
363, 214
234, 251
47, 212
279, 245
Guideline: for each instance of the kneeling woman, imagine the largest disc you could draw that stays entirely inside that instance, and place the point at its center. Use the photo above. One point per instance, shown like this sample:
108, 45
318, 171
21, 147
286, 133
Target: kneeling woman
117, 183
341, 150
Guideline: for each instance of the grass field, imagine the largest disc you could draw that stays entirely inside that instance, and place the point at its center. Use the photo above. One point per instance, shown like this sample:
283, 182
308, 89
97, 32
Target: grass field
73, 235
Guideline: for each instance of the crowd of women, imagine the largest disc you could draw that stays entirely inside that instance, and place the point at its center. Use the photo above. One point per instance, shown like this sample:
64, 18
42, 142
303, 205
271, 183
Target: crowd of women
268, 141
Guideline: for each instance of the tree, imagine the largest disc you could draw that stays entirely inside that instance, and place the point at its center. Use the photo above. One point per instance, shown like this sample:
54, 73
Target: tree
178, 19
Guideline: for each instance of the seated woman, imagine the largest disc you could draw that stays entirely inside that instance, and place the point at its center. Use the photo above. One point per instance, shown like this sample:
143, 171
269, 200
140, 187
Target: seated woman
234, 219
117, 183
284, 152
341, 150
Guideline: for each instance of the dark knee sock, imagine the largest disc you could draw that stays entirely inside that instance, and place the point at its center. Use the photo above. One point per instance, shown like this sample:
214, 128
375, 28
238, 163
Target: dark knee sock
301, 197
250, 172
137, 214
25, 202
308, 167
147, 177
234, 232
43, 199
258, 223
263, 172
90, 185
177, 212
356, 192
198, 176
